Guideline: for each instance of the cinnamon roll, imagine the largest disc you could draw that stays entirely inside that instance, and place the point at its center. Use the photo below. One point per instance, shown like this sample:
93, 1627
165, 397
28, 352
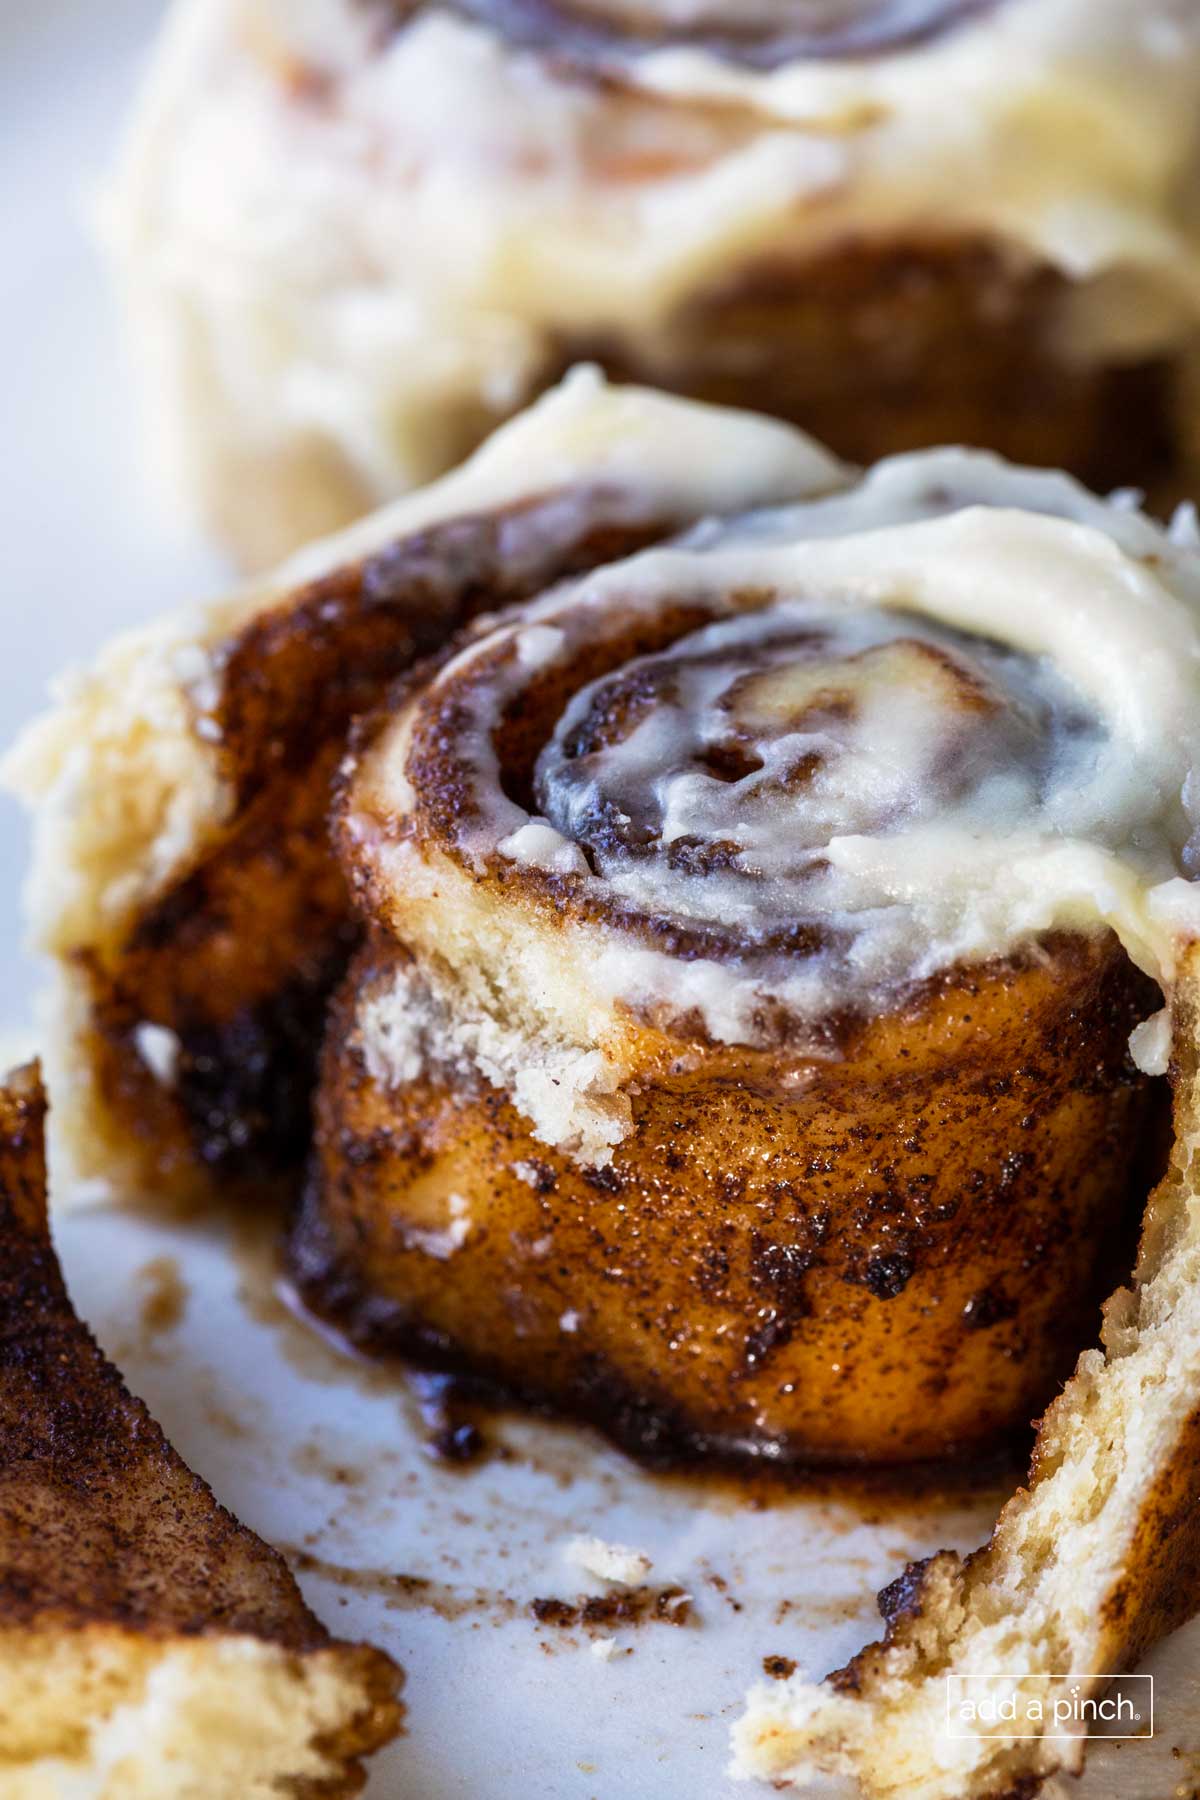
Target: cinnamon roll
738, 1048
355, 234
773, 923
738, 1053
183, 878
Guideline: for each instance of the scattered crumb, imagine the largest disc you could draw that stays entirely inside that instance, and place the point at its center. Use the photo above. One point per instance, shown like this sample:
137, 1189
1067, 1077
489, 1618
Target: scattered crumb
627, 1606
604, 1648
609, 1562
722, 1586
778, 1667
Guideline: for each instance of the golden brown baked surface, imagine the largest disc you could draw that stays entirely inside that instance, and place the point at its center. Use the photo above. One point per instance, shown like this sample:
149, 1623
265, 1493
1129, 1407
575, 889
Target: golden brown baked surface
834, 1268
116, 1560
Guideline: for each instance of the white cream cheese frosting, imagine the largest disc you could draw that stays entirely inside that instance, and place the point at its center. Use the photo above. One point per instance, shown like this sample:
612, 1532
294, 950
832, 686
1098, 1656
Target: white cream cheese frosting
124, 771
352, 242
927, 720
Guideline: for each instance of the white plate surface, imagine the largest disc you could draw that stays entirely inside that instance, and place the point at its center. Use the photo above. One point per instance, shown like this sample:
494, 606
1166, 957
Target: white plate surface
323, 1457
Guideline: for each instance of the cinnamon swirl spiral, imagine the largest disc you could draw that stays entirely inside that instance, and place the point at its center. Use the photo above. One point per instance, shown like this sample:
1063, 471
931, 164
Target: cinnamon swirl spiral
756, 928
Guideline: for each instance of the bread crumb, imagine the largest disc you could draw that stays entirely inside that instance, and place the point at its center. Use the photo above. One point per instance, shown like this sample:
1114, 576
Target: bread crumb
452, 1237
609, 1562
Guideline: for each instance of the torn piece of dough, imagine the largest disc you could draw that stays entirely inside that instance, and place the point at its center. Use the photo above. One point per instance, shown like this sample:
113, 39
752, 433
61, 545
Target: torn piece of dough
151, 1648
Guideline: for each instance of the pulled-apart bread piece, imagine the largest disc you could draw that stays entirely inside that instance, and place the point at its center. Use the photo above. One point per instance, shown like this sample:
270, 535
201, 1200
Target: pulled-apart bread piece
151, 1648
1091, 1563
182, 875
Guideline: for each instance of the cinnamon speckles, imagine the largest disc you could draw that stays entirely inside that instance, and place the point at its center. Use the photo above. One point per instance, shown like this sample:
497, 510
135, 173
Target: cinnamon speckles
780, 1268
988, 1307
775, 1331
628, 1606
887, 1276
813, 1272
778, 1668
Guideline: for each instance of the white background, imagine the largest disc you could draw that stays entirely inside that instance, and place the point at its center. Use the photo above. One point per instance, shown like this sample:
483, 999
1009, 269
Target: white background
85, 544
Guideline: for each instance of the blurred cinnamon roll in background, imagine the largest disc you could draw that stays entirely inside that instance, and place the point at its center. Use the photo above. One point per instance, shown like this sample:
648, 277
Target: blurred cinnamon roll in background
354, 234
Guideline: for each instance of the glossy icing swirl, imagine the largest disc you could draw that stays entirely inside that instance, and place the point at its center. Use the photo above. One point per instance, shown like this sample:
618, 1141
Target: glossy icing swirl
711, 779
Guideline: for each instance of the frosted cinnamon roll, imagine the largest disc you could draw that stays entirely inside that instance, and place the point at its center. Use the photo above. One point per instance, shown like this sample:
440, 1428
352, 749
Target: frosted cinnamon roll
354, 234
739, 1049
183, 878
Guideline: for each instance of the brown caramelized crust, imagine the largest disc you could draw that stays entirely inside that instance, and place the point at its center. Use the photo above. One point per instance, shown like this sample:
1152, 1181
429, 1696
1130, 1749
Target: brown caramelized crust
882, 347
103, 1529
888, 1257
238, 956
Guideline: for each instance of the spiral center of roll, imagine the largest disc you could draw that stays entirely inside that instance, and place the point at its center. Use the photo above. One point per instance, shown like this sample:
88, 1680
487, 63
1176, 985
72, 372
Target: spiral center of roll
711, 779
762, 33
830, 27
